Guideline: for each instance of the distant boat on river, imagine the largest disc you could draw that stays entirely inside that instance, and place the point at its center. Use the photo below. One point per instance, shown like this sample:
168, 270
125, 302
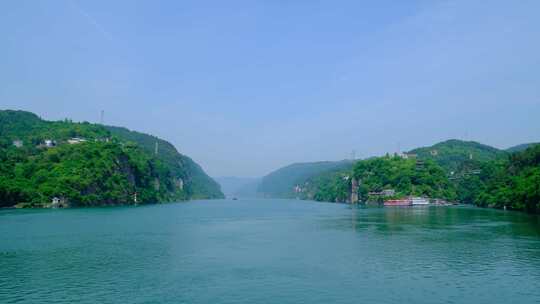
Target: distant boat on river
419, 201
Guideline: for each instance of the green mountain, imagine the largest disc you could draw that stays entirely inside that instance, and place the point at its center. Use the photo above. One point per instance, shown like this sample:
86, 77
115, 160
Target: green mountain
491, 178
328, 186
452, 153
281, 183
198, 185
513, 183
86, 164
406, 176
520, 148
320, 181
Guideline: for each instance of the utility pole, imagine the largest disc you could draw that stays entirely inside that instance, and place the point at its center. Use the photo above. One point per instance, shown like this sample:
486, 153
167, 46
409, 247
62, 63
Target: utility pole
157, 148
102, 117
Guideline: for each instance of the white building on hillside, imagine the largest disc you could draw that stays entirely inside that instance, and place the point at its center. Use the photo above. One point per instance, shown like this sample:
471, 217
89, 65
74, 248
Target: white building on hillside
18, 143
50, 143
388, 192
76, 140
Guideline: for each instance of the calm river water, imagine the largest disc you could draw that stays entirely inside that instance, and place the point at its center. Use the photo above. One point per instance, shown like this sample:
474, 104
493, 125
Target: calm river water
269, 251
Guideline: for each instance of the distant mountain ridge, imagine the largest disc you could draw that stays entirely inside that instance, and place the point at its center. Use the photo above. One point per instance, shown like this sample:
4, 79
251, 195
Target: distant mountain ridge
454, 156
233, 186
281, 183
249, 190
520, 148
451, 153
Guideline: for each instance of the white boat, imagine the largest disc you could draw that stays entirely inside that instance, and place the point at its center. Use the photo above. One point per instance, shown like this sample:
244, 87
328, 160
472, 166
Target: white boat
419, 201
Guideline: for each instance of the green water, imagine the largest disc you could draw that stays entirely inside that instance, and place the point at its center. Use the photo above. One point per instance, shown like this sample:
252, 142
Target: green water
266, 251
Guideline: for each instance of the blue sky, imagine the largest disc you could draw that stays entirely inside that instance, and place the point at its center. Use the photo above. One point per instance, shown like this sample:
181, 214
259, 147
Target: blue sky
245, 87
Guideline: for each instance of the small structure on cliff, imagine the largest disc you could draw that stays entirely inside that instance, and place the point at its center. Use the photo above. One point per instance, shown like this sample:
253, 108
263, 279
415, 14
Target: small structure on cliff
59, 202
388, 192
76, 140
49, 143
18, 143
383, 193
407, 155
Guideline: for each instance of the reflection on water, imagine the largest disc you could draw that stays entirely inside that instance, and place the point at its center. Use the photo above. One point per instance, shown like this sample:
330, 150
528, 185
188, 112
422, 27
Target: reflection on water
446, 218
269, 251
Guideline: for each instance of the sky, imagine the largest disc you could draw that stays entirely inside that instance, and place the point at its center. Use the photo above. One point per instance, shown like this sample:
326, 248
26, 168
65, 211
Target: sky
245, 87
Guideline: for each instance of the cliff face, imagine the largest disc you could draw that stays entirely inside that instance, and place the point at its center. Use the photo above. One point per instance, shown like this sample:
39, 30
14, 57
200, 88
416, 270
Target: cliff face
194, 181
84, 164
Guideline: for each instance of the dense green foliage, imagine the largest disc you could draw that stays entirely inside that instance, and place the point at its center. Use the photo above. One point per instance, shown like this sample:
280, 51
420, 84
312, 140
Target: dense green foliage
93, 173
406, 176
281, 183
28, 127
197, 184
452, 153
106, 168
512, 183
445, 166
329, 186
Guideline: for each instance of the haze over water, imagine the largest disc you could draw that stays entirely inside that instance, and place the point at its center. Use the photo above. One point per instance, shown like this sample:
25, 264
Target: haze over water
269, 251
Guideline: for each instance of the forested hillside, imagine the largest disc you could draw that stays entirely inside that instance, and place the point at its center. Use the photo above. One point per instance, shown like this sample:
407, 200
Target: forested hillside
85, 164
512, 183
494, 178
406, 176
198, 185
281, 183
452, 153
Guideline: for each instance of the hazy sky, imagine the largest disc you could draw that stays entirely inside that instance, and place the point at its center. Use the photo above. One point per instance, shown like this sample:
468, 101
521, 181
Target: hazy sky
245, 87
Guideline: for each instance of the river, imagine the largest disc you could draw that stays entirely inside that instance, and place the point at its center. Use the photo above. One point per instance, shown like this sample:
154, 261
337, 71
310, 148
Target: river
269, 251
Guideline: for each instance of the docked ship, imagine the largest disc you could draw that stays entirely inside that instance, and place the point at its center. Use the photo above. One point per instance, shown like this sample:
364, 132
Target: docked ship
398, 202
419, 201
